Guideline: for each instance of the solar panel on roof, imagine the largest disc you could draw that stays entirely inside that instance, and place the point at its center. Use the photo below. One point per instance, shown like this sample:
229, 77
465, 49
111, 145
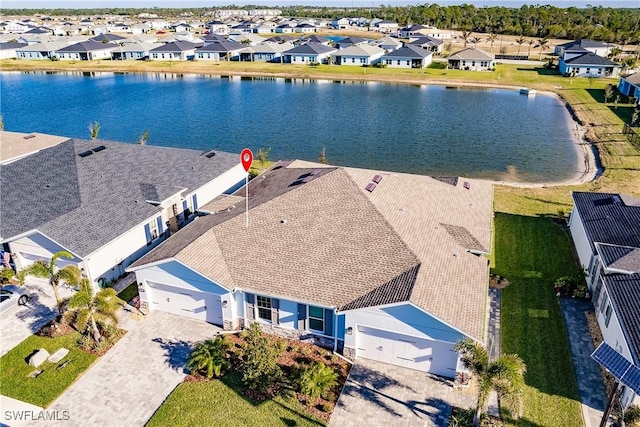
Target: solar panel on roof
99, 148
624, 371
370, 187
210, 154
377, 179
85, 153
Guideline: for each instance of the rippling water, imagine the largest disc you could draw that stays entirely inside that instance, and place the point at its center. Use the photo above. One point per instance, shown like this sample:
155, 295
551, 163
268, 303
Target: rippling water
434, 130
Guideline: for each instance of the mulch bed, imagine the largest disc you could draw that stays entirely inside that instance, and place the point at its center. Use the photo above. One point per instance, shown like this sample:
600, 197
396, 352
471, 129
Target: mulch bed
57, 328
298, 355
596, 337
498, 282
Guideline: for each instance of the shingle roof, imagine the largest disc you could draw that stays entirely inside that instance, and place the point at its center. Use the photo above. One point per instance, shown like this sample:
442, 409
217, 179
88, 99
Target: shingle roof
591, 59
624, 291
634, 78
607, 218
427, 40
585, 43
88, 46
415, 52
351, 41
176, 46
360, 50
621, 258
108, 37
85, 202
221, 47
11, 45
471, 53
311, 48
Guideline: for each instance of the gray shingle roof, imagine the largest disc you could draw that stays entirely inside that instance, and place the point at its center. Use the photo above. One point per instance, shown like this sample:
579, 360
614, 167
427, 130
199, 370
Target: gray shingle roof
608, 219
311, 48
88, 46
415, 52
621, 258
176, 46
471, 53
221, 46
624, 291
85, 202
584, 43
634, 78
591, 59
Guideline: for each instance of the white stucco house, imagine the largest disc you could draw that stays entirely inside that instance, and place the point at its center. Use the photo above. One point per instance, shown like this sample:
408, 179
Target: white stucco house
599, 48
471, 59
350, 259
605, 228
43, 50
309, 53
629, 85
107, 203
409, 56
359, 55
579, 62
86, 51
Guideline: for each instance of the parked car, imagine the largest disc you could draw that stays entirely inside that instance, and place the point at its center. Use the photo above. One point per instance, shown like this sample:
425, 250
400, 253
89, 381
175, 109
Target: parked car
11, 296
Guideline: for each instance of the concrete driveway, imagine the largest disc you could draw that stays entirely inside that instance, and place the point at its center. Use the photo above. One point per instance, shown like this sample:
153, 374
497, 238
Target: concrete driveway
378, 394
128, 384
22, 321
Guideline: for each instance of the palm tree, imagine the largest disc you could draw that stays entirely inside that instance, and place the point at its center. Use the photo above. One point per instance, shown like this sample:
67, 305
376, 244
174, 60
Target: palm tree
505, 375
94, 128
476, 40
317, 380
530, 42
542, 43
144, 137
520, 40
91, 307
210, 356
42, 269
491, 38
465, 36
322, 158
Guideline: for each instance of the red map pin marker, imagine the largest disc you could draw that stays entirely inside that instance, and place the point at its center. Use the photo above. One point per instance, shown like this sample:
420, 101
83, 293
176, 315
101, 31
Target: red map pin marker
246, 157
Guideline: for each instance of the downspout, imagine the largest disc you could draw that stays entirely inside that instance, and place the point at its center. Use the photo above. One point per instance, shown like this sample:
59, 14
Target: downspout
335, 330
244, 307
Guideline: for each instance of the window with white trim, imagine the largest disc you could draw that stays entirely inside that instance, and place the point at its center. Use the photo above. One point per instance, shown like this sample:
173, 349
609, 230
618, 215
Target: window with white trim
153, 228
607, 315
264, 307
316, 318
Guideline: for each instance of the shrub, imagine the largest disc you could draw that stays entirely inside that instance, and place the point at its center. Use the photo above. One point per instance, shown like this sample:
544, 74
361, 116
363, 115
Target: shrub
632, 416
318, 380
210, 357
259, 360
280, 345
326, 407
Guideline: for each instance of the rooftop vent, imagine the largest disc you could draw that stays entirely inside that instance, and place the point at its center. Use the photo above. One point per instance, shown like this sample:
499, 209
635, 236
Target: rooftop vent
210, 154
99, 148
85, 153
28, 136
370, 187
466, 185
377, 179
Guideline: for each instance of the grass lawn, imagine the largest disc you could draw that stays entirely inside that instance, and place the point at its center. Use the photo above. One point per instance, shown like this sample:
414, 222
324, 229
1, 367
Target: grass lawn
531, 253
41, 391
221, 403
128, 293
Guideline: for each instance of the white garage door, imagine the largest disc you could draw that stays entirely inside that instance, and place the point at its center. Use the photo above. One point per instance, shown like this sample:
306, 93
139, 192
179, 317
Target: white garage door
436, 357
183, 302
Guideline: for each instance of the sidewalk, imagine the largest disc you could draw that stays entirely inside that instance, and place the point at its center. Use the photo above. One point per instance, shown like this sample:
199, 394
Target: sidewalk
593, 396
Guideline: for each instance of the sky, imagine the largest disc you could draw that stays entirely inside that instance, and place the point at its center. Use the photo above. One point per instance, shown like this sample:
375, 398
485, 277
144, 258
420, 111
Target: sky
78, 4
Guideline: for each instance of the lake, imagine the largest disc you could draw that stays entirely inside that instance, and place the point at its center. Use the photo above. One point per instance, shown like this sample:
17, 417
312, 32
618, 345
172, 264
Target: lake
430, 130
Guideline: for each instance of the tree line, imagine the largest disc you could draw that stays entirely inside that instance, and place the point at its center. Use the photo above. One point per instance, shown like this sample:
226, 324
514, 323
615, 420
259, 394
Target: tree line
620, 25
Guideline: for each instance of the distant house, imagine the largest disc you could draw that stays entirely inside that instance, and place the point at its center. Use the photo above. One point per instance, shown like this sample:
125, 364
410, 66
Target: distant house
471, 59
67, 206
629, 85
44, 50
359, 55
227, 50
599, 48
134, 50
605, 228
389, 43
86, 51
341, 24
426, 42
305, 28
174, 51
350, 41
286, 28
587, 65
407, 57
266, 52
309, 53
386, 27
218, 27
8, 49
107, 38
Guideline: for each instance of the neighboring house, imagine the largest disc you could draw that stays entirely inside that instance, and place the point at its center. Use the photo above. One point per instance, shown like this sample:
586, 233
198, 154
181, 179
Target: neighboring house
305, 28
217, 27
588, 65
86, 51
629, 85
316, 39
134, 50
44, 50
386, 27
408, 57
216, 51
309, 53
247, 39
286, 28
605, 228
141, 28
174, 51
106, 203
471, 59
328, 256
341, 24
266, 52
359, 55
108, 38
599, 48
388, 43
9, 49
423, 30
350, 41
426, 42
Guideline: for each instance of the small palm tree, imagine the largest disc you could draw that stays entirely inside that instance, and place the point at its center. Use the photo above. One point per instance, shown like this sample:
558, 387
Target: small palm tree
91, 307
144, 137
505, 375
530, 42
520, 40
322, 158
263, 155
210, 356
318, 380
476, 40
542, 43
94, 129
42, 269
491, 38
465, 36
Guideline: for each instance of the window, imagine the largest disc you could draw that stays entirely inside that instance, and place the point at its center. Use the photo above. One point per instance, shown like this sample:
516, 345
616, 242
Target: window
316, 318
153, 228
605, 302
264, 308
588, 70
607, 315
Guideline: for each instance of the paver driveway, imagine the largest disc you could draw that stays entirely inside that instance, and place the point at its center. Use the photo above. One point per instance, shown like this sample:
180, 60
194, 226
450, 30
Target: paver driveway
127, 385
378, 394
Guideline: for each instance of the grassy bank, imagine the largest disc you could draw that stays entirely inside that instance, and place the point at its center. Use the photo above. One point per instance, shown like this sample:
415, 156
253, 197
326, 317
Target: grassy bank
532, 253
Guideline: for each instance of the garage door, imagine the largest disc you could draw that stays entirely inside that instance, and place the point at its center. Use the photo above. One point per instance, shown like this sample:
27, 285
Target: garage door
436, 357
195, 305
